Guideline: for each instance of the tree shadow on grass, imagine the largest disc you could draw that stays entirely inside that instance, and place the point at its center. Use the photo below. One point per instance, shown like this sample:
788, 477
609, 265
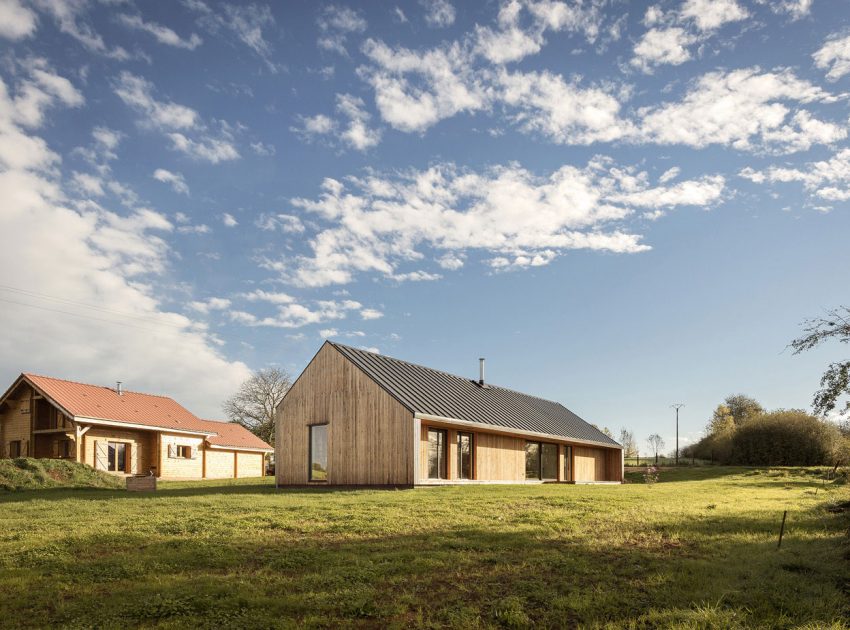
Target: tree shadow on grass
712, 571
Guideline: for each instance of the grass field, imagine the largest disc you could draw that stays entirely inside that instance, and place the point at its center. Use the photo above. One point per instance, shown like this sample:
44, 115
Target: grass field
697, 549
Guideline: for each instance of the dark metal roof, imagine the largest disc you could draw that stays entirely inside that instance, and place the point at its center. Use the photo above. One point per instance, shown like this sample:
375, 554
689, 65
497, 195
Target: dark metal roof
432, 392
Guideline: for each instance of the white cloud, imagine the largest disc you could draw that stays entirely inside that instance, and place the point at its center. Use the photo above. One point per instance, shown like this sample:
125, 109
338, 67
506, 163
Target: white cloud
671, 35
162, 34
451, 262
795, 8
16, 20
176, 121
381, 221
565, 112
354, 132
212, 304
194, 229
326, 333
709, 15
371, 313
248, 23
95, 281
68, 15
438, 13
294, 315
826, 179
273, 297
662, 46
744, 109
87, 184
357, 133
175, 180
213, 150
415, 90
229, 220
416, 276
137, 93
669, 174
834, 55
286, 223
336, 23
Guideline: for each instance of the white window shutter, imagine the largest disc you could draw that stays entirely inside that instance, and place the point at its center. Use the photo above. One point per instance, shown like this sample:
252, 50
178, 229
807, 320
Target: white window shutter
171, 450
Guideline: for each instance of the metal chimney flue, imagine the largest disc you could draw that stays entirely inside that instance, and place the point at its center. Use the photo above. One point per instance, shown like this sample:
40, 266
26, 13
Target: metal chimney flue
481, 371
118, 388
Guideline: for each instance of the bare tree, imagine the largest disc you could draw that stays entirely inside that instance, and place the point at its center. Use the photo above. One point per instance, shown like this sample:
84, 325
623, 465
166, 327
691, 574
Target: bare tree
836, 380
628, 442
254, 405
656, 443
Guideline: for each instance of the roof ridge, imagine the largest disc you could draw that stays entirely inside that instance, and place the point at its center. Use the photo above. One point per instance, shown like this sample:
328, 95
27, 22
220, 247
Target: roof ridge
125, 391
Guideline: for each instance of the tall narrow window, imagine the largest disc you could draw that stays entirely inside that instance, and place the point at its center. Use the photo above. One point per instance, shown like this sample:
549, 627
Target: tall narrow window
465, 446
532, 460
15, 448
549, 464
319, 452
568, 464
436, 454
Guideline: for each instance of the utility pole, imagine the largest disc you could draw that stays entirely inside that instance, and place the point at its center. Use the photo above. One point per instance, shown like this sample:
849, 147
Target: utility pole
677, 406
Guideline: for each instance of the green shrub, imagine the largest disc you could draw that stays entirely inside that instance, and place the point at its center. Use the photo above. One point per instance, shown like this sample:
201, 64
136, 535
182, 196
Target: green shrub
785, 438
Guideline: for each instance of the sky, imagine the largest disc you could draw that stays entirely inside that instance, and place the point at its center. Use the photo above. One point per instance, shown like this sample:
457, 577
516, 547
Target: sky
621, 205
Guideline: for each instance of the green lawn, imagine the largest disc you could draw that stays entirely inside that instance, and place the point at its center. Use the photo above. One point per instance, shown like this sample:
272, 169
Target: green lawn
697, 549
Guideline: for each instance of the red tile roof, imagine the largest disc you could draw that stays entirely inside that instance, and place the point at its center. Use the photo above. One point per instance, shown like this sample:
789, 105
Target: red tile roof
232, 435
161, 412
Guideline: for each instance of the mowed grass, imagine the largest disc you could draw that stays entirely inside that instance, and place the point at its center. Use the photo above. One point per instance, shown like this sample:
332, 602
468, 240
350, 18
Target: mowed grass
696, 550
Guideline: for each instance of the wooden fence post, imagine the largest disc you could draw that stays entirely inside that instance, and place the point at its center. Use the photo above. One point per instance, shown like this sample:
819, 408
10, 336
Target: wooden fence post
782, 528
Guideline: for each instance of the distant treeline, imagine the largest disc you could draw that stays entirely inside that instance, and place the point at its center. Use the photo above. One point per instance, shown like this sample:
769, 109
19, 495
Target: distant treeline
742, 432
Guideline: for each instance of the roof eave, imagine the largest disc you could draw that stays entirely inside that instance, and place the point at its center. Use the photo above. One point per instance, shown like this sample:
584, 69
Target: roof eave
221, 447
134, 425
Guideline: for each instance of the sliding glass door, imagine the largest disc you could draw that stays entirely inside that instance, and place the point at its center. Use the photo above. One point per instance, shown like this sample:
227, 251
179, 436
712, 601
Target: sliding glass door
541, 461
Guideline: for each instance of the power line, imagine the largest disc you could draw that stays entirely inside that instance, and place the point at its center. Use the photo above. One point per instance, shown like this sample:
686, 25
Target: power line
80, 315
44, 296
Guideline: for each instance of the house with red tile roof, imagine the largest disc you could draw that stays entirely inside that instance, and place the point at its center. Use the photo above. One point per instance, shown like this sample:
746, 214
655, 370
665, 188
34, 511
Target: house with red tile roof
123, 432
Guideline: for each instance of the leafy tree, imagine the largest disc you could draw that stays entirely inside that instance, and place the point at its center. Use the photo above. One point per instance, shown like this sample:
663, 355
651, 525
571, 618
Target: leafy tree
608, 432
836, 380
254, 404
628, 442
742, 408
656, 443
721, 421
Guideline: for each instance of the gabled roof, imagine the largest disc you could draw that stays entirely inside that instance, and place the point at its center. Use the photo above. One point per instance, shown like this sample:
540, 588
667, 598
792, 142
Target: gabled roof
432, 392
96, 402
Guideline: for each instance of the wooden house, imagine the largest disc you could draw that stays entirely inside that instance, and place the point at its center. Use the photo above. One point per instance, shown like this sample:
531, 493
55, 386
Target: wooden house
359, 418
122, 432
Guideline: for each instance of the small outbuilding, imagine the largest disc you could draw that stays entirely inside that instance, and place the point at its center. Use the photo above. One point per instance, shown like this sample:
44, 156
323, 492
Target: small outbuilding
359, 418
122, 432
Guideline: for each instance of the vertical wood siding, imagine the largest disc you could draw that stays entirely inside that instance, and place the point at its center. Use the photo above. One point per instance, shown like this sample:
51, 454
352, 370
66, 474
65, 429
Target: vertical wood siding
500, 457
369, 432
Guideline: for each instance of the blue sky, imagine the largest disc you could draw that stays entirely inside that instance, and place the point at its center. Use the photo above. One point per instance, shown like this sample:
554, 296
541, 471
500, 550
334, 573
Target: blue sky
621, 205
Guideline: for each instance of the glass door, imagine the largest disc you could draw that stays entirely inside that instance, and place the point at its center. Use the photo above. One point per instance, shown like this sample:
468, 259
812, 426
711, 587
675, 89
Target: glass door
465, 446
436, 454
116, 458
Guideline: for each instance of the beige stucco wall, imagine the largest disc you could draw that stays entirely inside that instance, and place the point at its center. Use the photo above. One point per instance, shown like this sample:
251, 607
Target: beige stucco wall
173, 466
249, 464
